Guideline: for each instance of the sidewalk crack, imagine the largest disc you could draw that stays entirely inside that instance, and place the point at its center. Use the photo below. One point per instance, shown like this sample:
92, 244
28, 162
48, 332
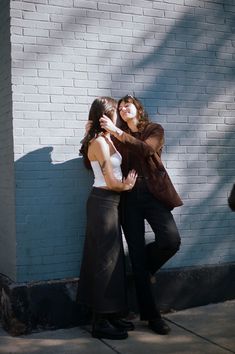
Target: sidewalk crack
200, 336
103, 341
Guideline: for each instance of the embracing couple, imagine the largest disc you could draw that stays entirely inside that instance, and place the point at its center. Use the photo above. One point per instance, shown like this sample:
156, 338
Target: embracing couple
131, 186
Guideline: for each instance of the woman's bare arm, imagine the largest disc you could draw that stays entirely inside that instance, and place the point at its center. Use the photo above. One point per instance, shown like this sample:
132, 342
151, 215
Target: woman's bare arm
99, 151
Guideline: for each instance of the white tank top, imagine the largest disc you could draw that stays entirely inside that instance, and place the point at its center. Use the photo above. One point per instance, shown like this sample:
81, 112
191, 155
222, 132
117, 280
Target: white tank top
116, 160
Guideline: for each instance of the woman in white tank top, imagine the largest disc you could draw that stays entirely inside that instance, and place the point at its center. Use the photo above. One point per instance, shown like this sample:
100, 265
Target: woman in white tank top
102, 276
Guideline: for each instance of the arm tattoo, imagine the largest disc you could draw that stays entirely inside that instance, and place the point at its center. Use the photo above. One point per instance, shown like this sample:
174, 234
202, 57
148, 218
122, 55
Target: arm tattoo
103, 167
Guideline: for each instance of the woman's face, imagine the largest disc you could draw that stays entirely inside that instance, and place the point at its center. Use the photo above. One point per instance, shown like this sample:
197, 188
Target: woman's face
127, 111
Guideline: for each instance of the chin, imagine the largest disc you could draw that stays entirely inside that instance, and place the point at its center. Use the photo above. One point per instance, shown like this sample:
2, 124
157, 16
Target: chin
126, 118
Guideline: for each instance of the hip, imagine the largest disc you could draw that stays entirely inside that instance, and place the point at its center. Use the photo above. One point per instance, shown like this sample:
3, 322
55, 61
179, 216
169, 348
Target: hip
99, 195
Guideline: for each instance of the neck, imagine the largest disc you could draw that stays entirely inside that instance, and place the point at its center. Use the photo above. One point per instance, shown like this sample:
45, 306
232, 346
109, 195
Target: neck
132, 124
106, 134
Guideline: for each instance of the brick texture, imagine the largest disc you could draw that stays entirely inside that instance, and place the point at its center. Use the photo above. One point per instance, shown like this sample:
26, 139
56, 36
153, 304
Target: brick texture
178, 57
7, 202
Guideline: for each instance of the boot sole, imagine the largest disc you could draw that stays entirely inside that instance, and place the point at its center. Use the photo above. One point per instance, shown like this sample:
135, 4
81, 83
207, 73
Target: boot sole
101, 335
161, 332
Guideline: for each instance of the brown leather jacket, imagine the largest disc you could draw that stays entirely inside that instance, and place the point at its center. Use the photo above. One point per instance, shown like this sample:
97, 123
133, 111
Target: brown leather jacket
148, 149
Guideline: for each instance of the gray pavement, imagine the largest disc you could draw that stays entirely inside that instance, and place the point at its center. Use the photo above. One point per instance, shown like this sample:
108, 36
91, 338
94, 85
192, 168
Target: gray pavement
200, 330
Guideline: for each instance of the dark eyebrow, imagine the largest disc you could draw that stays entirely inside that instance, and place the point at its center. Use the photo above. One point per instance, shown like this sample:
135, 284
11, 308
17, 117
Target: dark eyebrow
124, 104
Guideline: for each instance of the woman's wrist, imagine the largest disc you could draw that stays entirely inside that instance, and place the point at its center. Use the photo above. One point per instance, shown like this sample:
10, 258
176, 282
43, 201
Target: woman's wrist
128, 186
118, 132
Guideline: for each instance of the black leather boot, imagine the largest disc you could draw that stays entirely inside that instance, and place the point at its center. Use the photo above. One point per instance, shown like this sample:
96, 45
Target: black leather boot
102, 328
159, 326
122, 324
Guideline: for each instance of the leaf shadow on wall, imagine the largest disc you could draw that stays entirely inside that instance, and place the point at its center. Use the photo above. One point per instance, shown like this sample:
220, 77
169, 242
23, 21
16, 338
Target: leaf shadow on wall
185, 78
191, 78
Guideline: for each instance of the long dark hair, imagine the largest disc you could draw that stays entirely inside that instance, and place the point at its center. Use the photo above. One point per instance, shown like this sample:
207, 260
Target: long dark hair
100, 106
142, 114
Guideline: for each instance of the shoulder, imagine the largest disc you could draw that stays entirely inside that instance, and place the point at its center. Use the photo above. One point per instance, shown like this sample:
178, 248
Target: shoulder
153, 128
153, 125
99, 144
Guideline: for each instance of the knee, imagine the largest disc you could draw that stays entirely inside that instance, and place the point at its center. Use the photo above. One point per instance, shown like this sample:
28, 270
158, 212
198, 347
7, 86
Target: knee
171, 237
175, 245
178, 244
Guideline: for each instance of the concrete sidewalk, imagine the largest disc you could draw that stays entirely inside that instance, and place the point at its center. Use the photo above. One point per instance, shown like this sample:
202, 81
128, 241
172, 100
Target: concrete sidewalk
201, 330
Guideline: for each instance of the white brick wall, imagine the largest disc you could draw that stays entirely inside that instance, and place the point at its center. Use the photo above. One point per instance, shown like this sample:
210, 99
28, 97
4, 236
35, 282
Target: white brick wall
7, 189
178, 57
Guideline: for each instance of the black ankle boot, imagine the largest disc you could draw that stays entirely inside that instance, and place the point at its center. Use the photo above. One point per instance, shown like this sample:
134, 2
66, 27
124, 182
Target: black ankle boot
102, 328
159, 326
122, 324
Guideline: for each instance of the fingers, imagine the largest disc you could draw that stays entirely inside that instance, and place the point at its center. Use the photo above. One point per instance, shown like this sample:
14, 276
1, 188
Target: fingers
107, 124
133, 174
103, 121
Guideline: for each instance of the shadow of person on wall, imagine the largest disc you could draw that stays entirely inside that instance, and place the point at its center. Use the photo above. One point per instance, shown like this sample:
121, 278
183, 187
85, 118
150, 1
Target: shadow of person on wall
50, 214
50, 229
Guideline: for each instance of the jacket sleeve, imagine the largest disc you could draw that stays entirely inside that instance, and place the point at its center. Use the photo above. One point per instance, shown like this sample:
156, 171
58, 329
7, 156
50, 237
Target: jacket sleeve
152, 140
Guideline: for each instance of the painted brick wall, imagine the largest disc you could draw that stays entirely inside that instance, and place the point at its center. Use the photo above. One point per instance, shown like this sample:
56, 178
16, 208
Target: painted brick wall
177, 56
7, 203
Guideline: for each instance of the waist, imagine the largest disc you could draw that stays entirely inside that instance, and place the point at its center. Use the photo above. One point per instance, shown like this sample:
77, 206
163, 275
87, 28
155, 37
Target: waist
103, 192
141, 182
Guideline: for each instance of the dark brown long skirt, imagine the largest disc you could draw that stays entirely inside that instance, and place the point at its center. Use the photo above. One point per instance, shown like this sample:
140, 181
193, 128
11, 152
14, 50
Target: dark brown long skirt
102, 284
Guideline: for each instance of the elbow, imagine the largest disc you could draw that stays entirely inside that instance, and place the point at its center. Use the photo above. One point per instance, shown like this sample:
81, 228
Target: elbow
113, 185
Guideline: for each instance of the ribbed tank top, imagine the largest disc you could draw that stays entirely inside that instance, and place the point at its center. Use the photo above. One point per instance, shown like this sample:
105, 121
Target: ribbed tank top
116, 160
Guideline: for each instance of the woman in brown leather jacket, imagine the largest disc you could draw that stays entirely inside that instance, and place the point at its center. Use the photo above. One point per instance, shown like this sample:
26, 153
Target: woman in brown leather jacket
140, 143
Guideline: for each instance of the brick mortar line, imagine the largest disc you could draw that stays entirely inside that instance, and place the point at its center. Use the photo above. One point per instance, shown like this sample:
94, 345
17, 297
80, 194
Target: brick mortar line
200, 336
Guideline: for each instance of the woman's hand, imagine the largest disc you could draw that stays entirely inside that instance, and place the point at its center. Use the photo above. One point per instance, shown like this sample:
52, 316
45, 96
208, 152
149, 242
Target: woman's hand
130, 179
107, 124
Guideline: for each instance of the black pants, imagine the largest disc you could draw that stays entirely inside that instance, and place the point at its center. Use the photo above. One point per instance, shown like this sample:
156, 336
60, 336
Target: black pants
102, 284
136, 207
